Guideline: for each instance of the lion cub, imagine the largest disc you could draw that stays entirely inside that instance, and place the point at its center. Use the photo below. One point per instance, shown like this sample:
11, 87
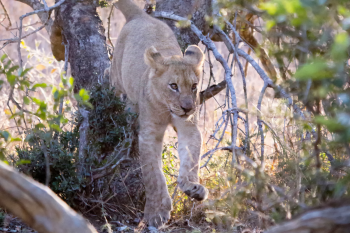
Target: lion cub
161, 86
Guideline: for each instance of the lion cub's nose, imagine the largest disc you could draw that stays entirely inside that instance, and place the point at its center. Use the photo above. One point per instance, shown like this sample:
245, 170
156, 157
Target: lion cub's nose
186, 110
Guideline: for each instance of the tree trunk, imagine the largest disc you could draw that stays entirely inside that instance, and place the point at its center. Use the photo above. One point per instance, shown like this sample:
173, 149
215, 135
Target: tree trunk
82, 29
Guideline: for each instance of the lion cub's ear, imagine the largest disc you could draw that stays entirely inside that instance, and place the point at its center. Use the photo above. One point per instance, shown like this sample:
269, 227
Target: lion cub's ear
153, 58
194, 56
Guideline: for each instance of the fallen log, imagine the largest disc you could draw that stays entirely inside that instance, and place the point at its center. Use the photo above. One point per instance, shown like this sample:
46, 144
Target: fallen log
326, 219
37, 205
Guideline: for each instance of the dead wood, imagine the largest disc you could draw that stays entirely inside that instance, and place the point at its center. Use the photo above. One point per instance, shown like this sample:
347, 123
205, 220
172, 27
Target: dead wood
37, 205
331, 219
212, 91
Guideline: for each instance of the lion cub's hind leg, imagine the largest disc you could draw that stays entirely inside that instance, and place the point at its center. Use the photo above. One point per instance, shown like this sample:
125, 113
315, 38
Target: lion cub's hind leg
190, 143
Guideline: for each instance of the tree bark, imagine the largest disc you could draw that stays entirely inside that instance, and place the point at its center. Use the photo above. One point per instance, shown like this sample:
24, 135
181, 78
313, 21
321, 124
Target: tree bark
83, 30
328, 219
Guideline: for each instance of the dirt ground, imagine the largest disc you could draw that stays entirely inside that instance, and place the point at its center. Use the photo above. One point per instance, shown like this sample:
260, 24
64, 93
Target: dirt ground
14, 224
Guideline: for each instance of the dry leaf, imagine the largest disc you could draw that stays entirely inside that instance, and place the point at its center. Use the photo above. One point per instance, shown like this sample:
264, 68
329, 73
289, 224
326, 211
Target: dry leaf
40, 67
7, 111
53, 70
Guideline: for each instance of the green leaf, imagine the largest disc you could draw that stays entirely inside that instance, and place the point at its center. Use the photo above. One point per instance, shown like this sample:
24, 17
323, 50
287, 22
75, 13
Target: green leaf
316, 70
270, 24
40, 125
7, 65
6, 135
37, 101
55, 127
16, 140
25, 83
42, 85
292, 6
3, 57
270, 7
13, 68
84, 95
22, 162
340, 46
332, 124
71, 81
26, 100
11, 79
24, 72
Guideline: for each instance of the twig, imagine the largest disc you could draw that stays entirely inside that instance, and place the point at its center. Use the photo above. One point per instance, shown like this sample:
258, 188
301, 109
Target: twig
318, 140
7, 15
25, 26
109, 27
246, 123
115, 154
211, 91
46, 9
229, 148
65, 68
217, 144
47, 162
261, 131
228, 72
261, 73
45, 5
83, 129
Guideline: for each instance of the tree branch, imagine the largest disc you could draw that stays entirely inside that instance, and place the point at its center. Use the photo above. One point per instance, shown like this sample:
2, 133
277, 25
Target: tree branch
211, 91
43, 15
325, 220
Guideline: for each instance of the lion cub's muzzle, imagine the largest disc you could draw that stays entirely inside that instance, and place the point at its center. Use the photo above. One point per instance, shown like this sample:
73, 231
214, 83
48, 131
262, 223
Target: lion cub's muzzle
187, 105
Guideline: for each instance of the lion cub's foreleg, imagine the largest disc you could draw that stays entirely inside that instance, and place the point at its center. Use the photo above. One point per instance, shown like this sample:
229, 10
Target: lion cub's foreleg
158, 202
190, 142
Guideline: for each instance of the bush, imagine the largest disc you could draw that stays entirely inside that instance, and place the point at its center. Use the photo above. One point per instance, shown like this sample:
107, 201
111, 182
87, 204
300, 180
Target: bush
107, 128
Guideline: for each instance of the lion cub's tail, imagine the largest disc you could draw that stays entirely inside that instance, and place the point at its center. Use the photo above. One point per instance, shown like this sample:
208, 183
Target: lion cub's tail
129, 9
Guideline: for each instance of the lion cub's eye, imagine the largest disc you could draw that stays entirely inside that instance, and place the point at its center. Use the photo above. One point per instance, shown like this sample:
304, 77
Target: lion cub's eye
194, 87
174, 86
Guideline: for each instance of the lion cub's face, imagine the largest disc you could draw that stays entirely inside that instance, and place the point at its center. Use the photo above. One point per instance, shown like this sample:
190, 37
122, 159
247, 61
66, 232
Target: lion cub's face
176, 78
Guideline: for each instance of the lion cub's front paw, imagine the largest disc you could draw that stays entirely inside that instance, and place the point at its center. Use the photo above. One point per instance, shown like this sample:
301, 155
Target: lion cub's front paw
158, 214
158, 218
196, 191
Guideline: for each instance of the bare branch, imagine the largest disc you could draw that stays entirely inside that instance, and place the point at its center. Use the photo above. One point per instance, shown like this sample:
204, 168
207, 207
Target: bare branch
7, 15
219, 148
323, 220
46, 9
109, 26
261, 131
84, 127
43, 15
211, 91
228, 72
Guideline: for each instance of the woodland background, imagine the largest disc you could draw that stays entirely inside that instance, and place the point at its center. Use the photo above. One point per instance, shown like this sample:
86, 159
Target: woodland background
275, 142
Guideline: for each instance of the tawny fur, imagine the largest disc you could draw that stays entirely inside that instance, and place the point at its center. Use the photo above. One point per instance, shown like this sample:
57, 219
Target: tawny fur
147, 62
